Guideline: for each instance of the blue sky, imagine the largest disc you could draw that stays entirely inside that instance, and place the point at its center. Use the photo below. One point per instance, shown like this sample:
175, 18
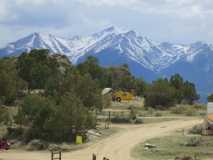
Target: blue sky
178, 21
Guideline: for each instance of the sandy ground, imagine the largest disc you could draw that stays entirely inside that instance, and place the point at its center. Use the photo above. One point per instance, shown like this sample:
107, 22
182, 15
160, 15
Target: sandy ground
115, 147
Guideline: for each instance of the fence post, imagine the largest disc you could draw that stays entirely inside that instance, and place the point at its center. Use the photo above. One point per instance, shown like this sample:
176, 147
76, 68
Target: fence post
58, 155
93, 156
51, 155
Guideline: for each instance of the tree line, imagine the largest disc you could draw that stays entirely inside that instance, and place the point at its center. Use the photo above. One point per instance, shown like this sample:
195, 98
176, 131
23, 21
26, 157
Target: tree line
67, 95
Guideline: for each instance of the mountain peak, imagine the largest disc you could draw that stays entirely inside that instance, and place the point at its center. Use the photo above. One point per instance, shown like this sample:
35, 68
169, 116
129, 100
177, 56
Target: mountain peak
42, 35
131, 33
39, 34
108, 31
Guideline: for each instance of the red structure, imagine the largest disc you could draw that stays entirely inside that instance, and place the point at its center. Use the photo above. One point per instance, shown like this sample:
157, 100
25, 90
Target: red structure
4, 145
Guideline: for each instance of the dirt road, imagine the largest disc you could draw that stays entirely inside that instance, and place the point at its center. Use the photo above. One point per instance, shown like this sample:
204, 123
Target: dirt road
115, 147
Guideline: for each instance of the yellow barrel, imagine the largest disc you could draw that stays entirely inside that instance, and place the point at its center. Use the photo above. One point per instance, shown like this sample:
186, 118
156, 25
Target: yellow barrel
79, 140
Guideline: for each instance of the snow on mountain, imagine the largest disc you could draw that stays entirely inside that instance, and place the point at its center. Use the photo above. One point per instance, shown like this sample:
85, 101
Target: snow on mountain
147, 53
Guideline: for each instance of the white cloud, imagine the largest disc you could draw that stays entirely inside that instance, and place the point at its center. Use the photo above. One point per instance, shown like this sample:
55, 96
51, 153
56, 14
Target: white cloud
181, 8
112, 3
178, 8
5, 11
159, 19
31, 2
37, 2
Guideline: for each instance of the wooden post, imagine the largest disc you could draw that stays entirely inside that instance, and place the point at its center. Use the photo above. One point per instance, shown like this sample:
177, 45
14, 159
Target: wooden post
93, 156
55, 155
59, 155
109, 116
52, 155
109, 119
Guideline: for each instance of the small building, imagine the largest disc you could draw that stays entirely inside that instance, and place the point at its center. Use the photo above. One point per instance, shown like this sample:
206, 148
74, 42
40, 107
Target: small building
210, 112
106, 97
106, 91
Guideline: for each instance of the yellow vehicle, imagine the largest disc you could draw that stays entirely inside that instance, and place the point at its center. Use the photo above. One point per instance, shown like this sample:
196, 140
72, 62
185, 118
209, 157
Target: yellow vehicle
122, 96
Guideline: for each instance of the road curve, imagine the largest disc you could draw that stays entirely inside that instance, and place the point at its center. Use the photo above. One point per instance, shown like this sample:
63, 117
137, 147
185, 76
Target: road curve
115, 147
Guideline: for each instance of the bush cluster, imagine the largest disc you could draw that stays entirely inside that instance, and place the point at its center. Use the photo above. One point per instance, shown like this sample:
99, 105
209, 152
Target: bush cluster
197, 129
193, 141
164, 93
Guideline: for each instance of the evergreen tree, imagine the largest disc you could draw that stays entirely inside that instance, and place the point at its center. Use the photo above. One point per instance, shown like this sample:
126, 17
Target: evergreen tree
160, 94
178, 83
36, 67
10, 83
210, 98
189, 92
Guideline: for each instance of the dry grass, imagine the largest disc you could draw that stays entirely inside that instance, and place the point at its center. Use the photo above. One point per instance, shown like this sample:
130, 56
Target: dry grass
189, 110
176, 145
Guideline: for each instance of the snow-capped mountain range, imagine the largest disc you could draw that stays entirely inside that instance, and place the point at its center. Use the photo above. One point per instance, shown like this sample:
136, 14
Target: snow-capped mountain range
149, 54
113, 46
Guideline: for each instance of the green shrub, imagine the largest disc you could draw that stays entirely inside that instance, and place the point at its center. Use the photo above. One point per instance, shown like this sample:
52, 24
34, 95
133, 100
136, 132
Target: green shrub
185, 110
120, 119
199, 107
150, 110
193, 141
5, 116
210, 98
190, 112
158, 114
184, 158
139, 121
36, 145
177, 110
197, 129
132, 115
14, 133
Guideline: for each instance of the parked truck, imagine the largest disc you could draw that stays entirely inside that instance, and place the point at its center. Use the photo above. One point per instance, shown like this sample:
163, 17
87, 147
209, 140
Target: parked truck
122, 96
118, 95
